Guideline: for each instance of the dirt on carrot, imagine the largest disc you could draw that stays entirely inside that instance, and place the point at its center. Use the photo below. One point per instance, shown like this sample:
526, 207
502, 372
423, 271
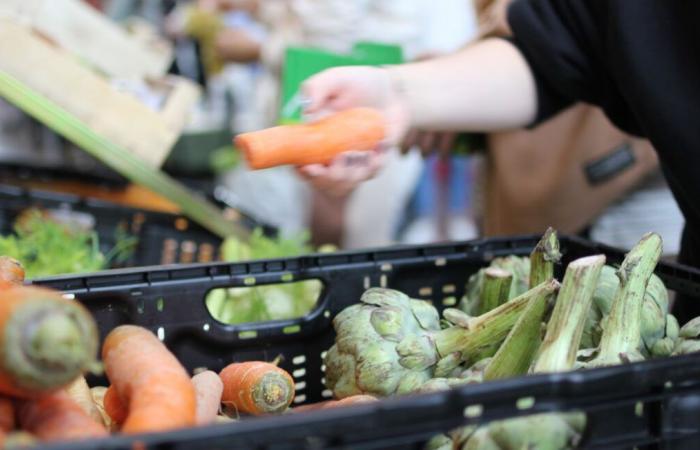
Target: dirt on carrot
257, 387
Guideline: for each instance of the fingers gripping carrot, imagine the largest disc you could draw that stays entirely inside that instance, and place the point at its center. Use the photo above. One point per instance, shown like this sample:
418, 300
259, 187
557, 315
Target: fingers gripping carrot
58, 417
46, 341
313, 143
155, 388
79, 391
257, 387
209, 388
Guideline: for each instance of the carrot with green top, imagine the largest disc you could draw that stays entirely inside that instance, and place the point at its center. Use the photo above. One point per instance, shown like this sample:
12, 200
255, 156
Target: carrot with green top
57, 417
149, 381
357, 129
257, 387
46, 341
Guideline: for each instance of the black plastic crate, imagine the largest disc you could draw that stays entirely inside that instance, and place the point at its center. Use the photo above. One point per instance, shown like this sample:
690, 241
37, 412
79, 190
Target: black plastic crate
654, 404
163, 238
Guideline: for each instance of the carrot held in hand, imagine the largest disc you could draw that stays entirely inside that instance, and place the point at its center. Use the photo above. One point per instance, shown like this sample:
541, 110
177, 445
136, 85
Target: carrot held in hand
356, 129
114, 407
257, 387
152, 384
46, 341
209, 388
57, 417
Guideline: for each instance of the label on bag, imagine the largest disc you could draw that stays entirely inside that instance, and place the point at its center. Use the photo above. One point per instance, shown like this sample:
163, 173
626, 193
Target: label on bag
610, 165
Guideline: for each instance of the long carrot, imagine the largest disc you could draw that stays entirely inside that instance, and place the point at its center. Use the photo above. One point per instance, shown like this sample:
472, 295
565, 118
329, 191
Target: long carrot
57, 417
46, 341
209, 388
79, 391
257, 387
357, 129
328, 404
11, 272
149, 380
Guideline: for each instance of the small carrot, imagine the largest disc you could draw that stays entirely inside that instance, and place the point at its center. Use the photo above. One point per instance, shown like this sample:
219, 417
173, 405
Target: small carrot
114, 407
149, 380
57, 417
357, 129
11, 272
328, 404
209, 388
46, 341
257, 387
79, 391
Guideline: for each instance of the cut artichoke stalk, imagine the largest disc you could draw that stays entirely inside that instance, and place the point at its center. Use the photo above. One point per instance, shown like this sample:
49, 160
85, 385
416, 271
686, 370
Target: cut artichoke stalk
543, 257
659, 329
517, 266
391, 344
549, 431
688, 341
621, 340
496, 289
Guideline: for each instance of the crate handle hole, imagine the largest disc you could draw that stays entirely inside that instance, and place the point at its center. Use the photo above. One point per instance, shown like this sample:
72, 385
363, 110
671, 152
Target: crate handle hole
255, 302
524, 403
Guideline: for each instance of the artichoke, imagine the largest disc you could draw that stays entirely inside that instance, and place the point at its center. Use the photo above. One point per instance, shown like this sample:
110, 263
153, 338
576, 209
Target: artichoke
392, 344
485, 289
688, 335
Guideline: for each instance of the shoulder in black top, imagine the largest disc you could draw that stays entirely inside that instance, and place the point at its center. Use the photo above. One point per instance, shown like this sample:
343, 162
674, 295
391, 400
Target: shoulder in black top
640, 62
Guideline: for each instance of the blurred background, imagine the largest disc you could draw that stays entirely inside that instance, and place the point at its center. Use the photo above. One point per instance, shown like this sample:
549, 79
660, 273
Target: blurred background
248, 57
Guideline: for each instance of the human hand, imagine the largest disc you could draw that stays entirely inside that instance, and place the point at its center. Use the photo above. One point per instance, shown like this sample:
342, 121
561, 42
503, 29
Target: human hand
339, 178
237, 46
429, 142
341, 88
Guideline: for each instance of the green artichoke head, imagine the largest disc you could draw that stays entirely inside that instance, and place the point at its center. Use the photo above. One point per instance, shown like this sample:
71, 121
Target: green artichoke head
383, 345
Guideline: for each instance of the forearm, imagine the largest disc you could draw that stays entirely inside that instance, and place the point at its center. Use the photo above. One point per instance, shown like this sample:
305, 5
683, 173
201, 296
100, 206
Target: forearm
487, 86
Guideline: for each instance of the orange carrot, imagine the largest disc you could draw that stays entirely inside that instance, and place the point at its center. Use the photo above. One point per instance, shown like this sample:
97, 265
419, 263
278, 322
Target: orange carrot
257, 387
7, 415
114, 407
352, 400
46, 341
11, 272
57, 417
209, 389
357, 129
149, 380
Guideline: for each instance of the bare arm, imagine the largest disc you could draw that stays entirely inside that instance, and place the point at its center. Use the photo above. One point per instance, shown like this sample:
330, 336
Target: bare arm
487, 86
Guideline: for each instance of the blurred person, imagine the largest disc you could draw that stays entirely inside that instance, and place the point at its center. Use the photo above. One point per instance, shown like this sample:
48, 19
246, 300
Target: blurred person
560, 52
591, 178
345, 212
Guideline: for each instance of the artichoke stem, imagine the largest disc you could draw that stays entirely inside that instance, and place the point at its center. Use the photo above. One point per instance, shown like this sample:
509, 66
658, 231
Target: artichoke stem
487, 329
543, 257
515, 355
496, 289
621, 332
565, 327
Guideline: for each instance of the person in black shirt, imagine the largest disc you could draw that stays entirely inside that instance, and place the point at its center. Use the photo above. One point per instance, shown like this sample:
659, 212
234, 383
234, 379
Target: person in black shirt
639, 61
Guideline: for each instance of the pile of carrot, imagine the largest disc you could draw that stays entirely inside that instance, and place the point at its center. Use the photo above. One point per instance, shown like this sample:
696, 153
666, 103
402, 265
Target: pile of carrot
45, 397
